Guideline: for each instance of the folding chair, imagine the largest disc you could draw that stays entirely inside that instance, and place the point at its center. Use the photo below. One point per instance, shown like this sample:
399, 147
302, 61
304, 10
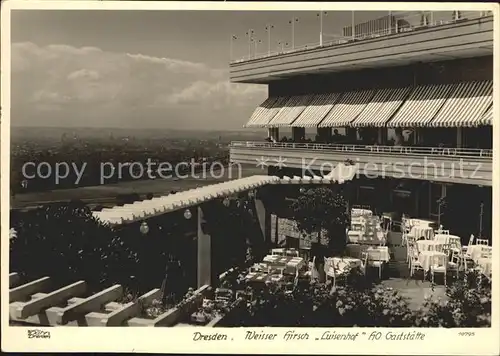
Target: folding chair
438, 265
455, 262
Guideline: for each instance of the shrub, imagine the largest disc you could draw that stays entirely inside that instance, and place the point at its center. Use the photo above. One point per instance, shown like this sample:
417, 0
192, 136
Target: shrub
66, 243
468, 304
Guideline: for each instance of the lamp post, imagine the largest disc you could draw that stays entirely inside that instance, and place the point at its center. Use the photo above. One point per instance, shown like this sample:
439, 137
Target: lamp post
269, 27
292, 22
233, 37
249, 34
353, 32
255, 42
481, 212
282, 45
320, 15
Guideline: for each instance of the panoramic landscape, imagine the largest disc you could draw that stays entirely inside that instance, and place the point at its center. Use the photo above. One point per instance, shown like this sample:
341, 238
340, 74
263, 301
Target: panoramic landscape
307, 169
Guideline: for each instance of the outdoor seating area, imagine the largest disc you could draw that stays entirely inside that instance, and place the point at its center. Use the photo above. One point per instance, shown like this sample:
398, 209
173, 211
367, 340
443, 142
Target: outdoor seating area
282, 265
439, 252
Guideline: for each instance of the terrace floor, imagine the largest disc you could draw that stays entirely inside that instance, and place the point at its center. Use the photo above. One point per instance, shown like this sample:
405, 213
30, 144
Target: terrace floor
415, 291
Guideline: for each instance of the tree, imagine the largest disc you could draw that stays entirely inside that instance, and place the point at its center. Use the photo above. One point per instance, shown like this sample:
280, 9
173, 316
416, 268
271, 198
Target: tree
66, 243
323, 212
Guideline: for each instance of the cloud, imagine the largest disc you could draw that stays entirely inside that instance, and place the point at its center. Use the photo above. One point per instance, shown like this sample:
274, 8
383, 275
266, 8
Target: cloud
68, 86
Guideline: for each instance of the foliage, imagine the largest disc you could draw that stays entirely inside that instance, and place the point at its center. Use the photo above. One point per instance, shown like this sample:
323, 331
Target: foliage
468, 304
356, 302
320, 209
66, 243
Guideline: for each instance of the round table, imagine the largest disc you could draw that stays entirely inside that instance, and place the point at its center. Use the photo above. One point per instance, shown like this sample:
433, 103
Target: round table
425, 258
475, 251
426, 231
484, 264
429, 245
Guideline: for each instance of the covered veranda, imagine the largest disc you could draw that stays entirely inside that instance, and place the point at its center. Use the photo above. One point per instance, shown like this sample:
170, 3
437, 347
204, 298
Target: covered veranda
193, 203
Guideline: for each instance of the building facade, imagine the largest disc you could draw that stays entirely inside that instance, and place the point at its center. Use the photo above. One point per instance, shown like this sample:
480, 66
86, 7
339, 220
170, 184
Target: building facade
409, 100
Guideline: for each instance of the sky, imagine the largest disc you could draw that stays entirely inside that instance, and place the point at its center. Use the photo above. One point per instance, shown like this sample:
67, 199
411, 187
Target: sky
146, 69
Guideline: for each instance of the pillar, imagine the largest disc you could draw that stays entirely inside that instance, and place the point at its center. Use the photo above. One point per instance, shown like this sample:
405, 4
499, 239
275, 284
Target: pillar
380, 136
264, 219
325, 133
298, 133
204, 251
274, 132
459, 137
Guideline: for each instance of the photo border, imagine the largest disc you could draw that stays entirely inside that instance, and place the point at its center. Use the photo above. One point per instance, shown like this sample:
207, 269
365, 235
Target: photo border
180, 340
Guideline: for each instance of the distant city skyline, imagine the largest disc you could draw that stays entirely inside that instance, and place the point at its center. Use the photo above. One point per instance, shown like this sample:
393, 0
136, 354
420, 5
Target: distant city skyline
147, 69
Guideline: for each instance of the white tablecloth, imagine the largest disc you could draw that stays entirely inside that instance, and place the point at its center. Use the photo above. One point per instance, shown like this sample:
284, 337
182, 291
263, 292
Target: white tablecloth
453, 240
355, 250
384, 253
420, 222
342, 264
425, 258
419, 230
377, 238
475, 251
484, 264
361, 212
429, 245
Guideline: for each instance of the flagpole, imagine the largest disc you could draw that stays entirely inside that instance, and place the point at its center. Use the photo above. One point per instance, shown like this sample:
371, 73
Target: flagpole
353, 27
231, 48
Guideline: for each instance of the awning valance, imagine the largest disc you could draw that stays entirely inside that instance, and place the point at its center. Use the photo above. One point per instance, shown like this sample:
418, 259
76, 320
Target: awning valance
317, 109
439, 105
422, 105
466, 106
347, 108
487, 118
290, 111
266, 111
381, 108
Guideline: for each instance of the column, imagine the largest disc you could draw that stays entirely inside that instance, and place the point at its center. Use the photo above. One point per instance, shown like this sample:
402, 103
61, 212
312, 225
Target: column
325, 133
204, 251
380, 136
273, 132
264, 218
459, 137
298, 133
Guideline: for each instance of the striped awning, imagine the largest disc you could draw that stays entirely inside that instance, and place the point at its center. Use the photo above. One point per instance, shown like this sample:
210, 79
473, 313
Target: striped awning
290, 111
347, 108
266, 111
466, 105
317, 109
487, 118
421, 106
381, 108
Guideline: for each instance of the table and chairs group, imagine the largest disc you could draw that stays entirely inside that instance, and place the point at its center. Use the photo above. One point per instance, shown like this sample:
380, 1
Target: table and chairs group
428, 249
436, 251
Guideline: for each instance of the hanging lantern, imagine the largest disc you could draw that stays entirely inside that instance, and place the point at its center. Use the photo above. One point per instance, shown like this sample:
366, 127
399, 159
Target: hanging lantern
251, 194
144, 228
187, 214
238, 203
302, 190
226, 202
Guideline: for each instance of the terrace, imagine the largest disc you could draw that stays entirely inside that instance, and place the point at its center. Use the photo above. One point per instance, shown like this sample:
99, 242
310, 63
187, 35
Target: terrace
400, 39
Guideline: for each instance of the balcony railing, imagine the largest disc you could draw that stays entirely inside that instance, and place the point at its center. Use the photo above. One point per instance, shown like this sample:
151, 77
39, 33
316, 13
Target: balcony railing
395, 150
404, 22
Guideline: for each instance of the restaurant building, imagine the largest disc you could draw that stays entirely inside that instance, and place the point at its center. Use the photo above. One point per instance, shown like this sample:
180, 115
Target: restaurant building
407, 99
